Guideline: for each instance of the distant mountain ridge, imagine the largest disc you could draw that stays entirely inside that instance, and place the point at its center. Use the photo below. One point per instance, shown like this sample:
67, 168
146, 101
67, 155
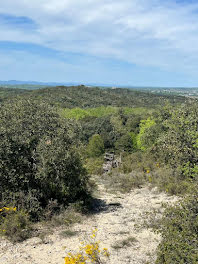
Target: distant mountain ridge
18, 82
37, 83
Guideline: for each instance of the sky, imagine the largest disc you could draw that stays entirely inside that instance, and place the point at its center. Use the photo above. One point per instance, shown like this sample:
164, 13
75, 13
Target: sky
116, 42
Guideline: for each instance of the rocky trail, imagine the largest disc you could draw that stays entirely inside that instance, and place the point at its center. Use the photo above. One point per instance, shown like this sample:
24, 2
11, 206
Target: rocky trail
120, 221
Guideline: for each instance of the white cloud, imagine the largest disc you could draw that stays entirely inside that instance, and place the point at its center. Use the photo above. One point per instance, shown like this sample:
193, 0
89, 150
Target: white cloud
143, 32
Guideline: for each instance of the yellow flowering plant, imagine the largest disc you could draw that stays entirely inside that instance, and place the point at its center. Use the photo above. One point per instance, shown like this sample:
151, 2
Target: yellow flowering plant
89, 253
14, 224
4, 209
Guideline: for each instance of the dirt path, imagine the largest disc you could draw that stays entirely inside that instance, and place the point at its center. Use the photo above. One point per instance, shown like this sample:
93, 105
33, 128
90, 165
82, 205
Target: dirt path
117, 224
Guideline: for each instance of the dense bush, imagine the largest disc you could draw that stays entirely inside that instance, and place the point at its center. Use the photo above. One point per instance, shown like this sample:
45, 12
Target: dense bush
124, 143
142, 142
80, 113
118, 130
39, 160
94, 165
180, 233
95, 147
177, 145
15, 225
102, 126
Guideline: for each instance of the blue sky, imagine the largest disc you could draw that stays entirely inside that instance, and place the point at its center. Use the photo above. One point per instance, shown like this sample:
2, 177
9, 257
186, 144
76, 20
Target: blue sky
129, 42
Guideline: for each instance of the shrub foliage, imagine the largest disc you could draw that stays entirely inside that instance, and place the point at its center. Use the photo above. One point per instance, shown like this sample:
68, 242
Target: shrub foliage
180, 233
39, 161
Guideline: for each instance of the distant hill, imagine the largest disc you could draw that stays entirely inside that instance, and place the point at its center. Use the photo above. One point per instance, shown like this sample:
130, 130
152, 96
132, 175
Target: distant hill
37, 85
86, 97
34, 83
17, 82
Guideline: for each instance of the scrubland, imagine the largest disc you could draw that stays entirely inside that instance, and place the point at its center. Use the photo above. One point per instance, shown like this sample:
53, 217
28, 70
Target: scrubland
54, 193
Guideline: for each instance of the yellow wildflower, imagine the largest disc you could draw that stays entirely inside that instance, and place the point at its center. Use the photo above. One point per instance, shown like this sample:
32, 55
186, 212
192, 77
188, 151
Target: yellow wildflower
105, 252
8, 209
89, 253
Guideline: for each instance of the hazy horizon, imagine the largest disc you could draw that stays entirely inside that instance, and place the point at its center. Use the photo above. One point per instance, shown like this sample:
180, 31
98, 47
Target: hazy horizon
108, 85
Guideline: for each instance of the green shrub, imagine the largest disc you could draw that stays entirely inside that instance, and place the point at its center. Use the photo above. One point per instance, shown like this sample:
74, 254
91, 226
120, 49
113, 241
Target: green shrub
137, 161
134, 140
80, 113
124, 183
163, 176
177, 144
179, 229
124, 143
39, 159
145, 125
95, 147
15, 225
127, 182
67, 217
94, 165
167, 180
101, 126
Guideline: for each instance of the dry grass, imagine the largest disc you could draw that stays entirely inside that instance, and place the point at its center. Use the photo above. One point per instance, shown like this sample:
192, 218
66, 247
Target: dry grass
123, 183
68, 218
128, 242
68, 233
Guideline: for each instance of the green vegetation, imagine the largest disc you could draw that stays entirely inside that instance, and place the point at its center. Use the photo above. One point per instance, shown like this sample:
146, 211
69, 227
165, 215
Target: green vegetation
15, 225
179, 230
94, 165
10, 93
179, 140
95, 147
53, 139
87, 97
79, 113
38, 158
145, 125
124, 183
